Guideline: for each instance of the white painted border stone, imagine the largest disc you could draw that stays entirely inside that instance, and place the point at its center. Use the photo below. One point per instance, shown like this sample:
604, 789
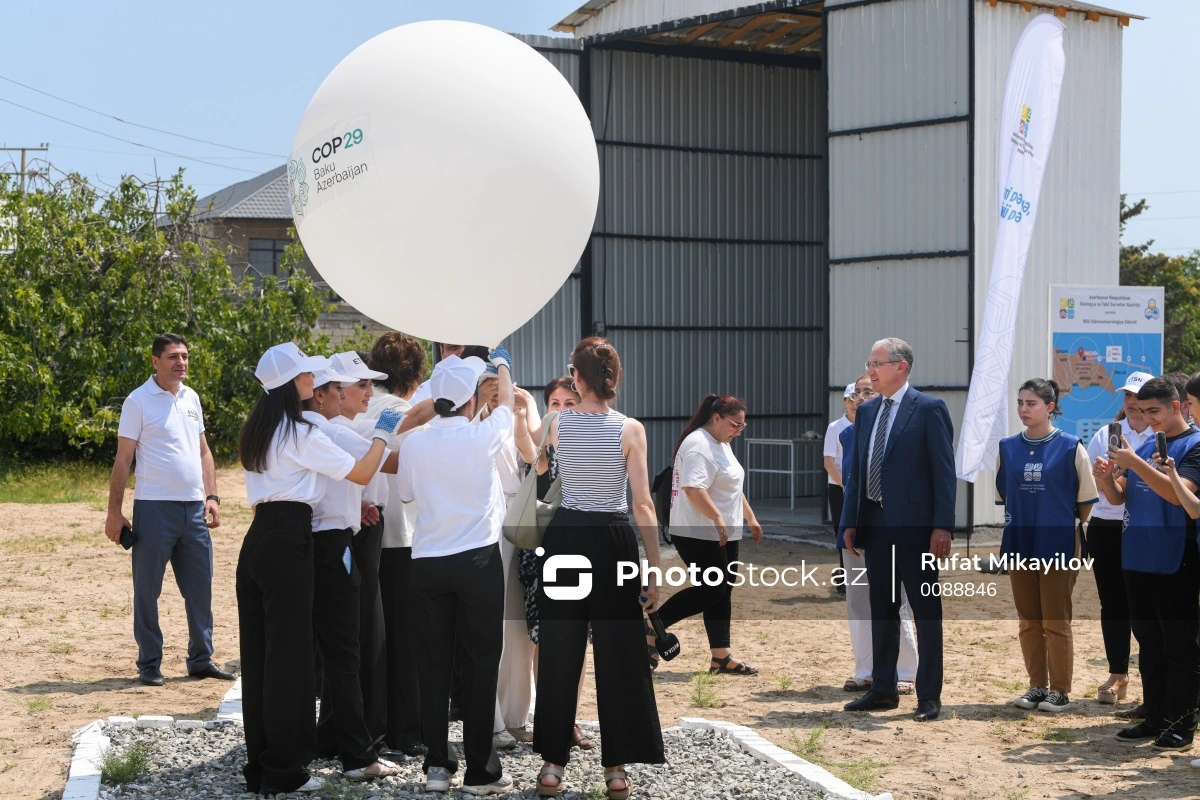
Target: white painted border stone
83, 781
230, 709
747, 739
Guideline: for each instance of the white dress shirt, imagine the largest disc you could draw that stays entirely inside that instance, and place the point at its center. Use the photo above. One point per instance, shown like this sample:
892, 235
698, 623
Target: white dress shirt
896, 399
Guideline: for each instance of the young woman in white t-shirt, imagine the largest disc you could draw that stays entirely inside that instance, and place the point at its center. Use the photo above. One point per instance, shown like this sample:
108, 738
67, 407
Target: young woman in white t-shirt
449, 472
708, 509
401, 358
342, 729
287, 462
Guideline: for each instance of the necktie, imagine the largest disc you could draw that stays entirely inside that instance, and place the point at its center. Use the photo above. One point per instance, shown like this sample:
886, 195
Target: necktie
875, 473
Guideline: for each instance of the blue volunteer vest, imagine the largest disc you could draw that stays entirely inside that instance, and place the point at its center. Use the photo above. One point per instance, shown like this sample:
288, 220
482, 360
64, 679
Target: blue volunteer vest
1038, 485
1155, 530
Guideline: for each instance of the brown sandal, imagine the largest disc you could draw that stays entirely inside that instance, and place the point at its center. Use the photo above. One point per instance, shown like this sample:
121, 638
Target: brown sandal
611, 775
581, 741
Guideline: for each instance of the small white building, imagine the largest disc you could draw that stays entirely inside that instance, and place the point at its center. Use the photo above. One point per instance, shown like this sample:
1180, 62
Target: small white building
785, 182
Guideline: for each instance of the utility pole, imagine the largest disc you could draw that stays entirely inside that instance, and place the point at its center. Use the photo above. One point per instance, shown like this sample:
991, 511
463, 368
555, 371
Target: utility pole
44, 147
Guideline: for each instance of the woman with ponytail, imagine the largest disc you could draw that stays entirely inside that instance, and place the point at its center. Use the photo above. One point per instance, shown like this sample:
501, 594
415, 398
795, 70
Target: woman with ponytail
708, 509
1044, 481
288, 462
601, 454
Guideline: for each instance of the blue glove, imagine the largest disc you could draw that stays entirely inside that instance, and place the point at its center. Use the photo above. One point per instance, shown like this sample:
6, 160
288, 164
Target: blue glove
388, 423
497, 357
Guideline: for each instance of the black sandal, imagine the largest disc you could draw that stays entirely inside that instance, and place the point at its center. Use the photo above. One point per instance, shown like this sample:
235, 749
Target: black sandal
724, 669
651, 650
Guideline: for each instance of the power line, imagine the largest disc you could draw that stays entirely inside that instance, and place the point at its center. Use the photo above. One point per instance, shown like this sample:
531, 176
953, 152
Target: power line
136, 124
1158, 219
126, 141
1180, 191
151, 155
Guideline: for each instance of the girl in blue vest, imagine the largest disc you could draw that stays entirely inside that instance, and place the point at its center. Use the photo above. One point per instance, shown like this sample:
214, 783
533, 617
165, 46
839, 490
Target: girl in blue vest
1044, 481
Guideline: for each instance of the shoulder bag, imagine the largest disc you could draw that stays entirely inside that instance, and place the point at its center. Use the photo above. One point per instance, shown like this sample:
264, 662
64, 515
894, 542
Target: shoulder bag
527, 518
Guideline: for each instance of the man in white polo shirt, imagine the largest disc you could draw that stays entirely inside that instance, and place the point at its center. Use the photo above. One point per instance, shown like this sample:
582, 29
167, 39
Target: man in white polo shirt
163, 425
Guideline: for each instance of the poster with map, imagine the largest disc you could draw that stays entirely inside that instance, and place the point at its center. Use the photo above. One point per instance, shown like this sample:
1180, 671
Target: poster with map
1098, 336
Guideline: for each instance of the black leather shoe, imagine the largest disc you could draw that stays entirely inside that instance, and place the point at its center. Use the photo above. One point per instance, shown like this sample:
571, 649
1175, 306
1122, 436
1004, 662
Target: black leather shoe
151, 677
404, 750
213, 671
928, 710
873, 701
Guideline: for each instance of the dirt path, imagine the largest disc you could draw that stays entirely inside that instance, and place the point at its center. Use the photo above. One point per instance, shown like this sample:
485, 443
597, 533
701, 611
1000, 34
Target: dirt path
68, 653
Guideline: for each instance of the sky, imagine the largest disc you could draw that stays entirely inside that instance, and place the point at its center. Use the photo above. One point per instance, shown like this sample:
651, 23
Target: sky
240, 74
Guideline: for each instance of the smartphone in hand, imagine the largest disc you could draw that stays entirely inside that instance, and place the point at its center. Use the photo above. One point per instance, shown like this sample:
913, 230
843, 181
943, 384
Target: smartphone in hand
1160, 439
128, 537
1114, 435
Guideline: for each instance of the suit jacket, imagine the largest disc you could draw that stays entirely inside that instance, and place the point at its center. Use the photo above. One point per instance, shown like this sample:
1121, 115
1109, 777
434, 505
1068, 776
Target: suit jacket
919, 482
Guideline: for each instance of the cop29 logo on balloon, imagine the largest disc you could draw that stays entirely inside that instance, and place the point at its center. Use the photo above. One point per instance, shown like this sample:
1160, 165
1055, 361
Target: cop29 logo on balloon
454, 181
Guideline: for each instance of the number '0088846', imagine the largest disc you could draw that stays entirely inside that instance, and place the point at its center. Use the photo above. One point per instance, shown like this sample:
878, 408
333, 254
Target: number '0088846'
344, 142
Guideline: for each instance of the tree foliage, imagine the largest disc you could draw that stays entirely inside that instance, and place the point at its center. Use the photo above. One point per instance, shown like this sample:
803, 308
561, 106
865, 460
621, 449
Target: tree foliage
88, 281
1180, 278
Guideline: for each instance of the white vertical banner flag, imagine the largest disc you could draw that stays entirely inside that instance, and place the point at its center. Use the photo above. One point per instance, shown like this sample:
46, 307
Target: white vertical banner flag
1027, 122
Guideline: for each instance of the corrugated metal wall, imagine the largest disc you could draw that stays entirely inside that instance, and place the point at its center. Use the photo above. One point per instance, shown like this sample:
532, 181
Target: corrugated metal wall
541, 346
899, 191
1076, 238
706, 261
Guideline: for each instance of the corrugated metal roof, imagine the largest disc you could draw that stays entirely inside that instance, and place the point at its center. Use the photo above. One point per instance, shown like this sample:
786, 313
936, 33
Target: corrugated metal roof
263, 197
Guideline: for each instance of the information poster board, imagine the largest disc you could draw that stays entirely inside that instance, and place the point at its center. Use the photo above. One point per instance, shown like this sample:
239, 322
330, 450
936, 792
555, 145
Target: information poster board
1098, 336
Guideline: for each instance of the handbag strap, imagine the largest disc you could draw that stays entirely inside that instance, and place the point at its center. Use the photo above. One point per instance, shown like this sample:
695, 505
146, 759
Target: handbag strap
546, 422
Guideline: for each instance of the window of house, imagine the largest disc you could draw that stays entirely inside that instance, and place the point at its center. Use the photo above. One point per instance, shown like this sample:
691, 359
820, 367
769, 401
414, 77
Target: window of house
265, 255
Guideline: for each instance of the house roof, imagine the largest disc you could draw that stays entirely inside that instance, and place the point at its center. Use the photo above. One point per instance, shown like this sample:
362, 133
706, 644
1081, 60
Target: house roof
577, 21
261, 197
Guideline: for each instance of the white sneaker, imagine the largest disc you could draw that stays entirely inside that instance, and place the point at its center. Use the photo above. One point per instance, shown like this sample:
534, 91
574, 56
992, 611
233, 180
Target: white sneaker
314, 784
437, 780
501, 785
1196, 763
503, 740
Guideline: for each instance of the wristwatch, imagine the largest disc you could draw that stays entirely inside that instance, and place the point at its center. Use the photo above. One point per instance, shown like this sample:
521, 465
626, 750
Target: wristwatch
216, 499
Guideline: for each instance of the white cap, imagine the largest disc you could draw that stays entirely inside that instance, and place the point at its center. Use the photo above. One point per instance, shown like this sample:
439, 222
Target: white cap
850, 391
1136, 381
331, 375
283, 362
455, 379
349, 365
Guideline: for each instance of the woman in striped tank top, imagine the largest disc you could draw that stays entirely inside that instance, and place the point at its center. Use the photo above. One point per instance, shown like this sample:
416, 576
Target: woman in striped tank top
601, 453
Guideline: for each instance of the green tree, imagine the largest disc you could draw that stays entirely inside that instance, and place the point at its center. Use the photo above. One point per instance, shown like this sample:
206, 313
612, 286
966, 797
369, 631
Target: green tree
89, 280
1180, 278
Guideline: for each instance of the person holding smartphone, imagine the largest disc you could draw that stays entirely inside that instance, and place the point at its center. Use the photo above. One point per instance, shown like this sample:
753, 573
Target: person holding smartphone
1162, 566
1104, 529
1044, 481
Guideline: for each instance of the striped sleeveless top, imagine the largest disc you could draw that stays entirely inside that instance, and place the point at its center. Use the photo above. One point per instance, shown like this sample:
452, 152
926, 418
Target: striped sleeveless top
591, 462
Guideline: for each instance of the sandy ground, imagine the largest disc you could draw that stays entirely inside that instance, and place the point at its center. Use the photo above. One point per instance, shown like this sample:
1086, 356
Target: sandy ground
68, 653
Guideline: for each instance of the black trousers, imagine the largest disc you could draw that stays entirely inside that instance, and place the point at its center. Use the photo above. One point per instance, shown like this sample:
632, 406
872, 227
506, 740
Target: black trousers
624, 690
714, 602
403, 692
372, 649
904, 571
275, 602
460, 595
1163, 611
342, 728
837, 497
1104, 545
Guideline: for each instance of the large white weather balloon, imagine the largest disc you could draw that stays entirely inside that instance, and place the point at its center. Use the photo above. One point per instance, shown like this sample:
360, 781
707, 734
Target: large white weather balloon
444, 181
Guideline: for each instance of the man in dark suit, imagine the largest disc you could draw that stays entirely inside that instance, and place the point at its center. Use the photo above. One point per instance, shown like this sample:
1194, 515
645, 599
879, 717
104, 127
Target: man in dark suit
899, 505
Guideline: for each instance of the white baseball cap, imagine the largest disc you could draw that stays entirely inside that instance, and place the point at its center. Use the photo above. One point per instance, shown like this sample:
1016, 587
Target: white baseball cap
331, 375
1136, 381
850, 391
283, 362
349, 365
455, 379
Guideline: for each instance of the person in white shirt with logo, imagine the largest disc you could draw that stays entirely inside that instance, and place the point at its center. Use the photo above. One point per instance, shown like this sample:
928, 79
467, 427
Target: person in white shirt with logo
288, 462
449, 472
1104, 546
163, 425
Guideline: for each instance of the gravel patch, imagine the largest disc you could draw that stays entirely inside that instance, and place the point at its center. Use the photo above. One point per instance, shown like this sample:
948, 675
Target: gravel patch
701, 765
